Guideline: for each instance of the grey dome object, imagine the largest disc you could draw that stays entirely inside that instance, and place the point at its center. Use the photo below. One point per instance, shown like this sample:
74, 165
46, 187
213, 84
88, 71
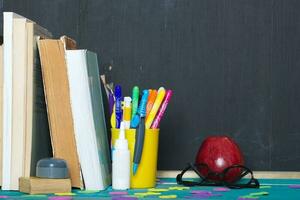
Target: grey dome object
52, 168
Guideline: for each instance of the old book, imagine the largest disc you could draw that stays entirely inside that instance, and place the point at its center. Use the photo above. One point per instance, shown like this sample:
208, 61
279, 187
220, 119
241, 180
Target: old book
69, 43
37, 135
25, 123
1, 109
34, 185
88, 118
7, 97
14, 99
56, 87
19, 99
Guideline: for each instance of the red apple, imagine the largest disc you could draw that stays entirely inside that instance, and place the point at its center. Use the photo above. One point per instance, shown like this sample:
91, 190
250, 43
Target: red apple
220, 152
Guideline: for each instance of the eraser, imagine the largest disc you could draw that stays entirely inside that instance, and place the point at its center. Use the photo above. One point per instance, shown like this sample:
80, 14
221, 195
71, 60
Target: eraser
52, 168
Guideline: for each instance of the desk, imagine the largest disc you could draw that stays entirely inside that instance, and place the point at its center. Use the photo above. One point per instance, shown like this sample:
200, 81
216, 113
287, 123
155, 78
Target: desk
278, 189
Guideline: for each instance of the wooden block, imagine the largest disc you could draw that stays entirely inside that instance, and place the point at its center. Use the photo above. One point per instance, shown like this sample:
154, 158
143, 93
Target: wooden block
34, 185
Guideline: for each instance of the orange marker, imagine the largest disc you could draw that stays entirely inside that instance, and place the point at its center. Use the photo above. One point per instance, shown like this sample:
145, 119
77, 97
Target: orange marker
151, 100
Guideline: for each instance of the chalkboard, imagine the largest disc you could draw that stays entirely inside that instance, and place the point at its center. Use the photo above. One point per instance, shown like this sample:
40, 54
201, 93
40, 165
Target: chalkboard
234, 67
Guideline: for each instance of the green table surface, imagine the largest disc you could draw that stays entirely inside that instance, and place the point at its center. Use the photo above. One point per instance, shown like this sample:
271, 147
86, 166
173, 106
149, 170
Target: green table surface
273, 188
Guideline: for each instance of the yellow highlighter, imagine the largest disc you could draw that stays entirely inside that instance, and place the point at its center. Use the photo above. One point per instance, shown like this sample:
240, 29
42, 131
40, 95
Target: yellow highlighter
127, 112
113, 117
160, 97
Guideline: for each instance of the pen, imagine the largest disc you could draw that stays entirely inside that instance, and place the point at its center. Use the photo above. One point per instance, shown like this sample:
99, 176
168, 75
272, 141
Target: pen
151, 100
162, 109
140, 134
118, 105
111, 102
160, 96
135, 101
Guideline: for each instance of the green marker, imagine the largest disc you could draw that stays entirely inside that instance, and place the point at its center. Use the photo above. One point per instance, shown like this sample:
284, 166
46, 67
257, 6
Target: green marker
135, 101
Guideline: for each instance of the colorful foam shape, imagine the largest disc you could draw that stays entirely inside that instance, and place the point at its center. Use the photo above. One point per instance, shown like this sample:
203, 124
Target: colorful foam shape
201, 192
157, 190
259, 194
221, 189
88, 191
247, 198
265, 187
295, 186
65, 194
141, 194
34, 196
60, 198
118, 193
179, 188
124, 198
172, 196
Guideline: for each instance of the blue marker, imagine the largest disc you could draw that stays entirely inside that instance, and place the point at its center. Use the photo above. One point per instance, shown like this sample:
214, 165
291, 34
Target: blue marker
140, 134
118, 96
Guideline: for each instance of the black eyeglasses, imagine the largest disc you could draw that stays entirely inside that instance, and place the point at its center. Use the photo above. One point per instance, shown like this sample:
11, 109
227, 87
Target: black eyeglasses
227, 178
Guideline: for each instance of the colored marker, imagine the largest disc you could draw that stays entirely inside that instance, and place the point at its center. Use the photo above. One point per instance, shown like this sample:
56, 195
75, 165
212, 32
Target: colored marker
151, 100
140, 134
135, 101
136, 119
127, 112
162, 109
118, 105
160, 96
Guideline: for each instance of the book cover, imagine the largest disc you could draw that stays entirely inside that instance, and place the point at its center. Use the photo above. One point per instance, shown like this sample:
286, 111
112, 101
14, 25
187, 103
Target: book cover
37, 141
25, 123
57, 93
1, 110
99, 117
14, 82
18, 101
88, 117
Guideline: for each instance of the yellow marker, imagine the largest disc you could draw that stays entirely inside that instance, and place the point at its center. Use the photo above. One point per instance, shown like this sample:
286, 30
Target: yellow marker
168, 197
160, 97
127, 112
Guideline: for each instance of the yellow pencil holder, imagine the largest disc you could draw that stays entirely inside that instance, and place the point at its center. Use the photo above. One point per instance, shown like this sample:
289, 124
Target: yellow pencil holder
145, 176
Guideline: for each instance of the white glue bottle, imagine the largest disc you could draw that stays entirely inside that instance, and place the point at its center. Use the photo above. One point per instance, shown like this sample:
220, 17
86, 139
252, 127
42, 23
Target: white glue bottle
121, 162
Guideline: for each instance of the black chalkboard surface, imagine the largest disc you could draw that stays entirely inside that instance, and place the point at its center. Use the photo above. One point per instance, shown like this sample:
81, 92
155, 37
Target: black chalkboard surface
234, 67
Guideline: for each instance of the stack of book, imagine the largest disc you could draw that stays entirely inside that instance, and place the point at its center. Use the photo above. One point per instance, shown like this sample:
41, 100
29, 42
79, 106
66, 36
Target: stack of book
51, 105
